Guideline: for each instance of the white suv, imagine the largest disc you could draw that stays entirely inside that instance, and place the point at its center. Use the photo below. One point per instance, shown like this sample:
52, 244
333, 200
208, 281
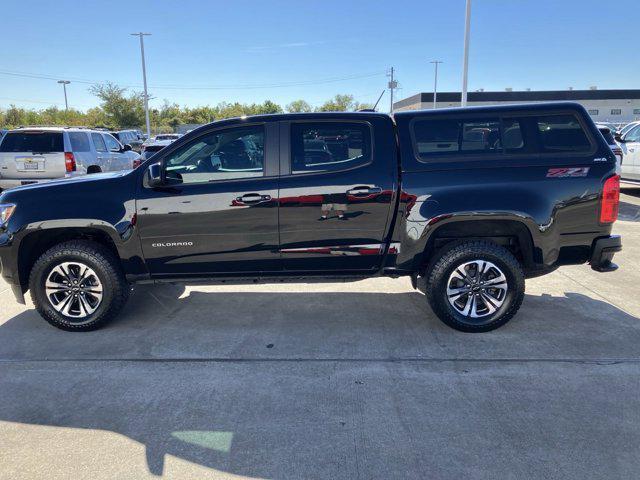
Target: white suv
630, 143
37, 154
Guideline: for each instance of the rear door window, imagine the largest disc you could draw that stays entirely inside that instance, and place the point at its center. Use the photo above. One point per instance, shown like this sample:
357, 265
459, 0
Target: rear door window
561, 133
112, 143
34, 142
329, 146
98, 142
79, 142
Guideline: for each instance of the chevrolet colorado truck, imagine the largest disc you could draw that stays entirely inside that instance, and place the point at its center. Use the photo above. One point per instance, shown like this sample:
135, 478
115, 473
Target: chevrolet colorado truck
470, 200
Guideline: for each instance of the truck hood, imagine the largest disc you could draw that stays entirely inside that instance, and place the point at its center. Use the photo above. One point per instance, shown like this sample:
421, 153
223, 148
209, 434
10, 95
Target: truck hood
62, 185
94, 177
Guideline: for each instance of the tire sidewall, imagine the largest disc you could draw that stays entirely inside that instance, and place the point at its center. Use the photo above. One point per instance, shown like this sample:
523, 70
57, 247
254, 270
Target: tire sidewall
513, 298
38, 280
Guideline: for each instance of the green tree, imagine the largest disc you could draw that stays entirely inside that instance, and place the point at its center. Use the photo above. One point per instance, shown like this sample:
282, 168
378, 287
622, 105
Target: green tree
299, 106
343, 103
339, 103
269, 107
120, 110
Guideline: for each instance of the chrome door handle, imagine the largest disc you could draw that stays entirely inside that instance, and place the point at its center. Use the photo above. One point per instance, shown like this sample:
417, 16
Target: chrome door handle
364, 191
253, 198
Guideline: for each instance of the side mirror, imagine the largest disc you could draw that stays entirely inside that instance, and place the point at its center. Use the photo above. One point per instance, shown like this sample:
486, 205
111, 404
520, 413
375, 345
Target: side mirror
154, 175
126, 147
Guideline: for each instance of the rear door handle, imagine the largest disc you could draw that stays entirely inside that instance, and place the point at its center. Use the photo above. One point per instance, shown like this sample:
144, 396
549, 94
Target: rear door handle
364, 191
253, 198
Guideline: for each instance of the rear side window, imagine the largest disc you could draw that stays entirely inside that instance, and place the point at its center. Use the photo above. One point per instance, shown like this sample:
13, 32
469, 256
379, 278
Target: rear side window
79, 142
98, 142
34, 142
561, 133
329, 146
439, 137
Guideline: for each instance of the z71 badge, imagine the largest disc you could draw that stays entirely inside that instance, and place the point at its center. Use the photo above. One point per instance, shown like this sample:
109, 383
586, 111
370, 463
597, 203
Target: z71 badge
567, 172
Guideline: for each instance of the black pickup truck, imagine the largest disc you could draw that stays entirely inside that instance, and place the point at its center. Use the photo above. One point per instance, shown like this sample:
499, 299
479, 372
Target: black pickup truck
473, 200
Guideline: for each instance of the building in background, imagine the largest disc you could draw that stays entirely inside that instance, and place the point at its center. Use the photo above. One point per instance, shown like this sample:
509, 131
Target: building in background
615, 106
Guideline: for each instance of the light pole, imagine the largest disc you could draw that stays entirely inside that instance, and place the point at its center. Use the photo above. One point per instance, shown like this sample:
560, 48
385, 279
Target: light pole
144, 81
465, 57
435, 82
64, 87
393, 84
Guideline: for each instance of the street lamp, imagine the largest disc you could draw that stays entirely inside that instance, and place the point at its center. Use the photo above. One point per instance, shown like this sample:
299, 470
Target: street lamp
465, 55
144, 80
64, 87
435, 82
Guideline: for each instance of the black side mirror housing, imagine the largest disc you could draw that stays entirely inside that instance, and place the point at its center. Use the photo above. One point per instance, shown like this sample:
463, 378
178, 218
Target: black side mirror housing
154, 175
126, 147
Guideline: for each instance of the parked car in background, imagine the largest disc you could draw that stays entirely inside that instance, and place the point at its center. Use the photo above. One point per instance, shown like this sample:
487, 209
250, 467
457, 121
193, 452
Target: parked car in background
611, 126
611, 141
627, 127
167, 136
152, 146
2, 132
38, 154
142, 136
630, 145
129, 137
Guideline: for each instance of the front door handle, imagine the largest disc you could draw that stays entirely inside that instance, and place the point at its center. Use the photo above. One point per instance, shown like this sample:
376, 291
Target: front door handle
364, 191
253, 198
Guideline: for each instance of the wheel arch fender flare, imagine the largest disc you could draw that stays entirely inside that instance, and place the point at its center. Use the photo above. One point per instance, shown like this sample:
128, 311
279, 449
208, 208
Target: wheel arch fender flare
470, 226
34, 239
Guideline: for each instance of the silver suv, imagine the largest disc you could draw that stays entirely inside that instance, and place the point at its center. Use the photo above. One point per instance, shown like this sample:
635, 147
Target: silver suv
37, 154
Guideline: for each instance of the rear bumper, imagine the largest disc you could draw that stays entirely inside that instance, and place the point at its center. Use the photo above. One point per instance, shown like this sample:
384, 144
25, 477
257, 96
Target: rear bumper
602, 253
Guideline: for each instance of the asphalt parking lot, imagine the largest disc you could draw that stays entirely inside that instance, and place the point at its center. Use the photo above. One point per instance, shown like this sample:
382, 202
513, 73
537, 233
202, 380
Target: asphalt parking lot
331, 381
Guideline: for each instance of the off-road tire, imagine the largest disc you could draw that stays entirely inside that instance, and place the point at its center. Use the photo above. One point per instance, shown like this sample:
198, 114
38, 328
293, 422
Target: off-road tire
104, 264
456, 254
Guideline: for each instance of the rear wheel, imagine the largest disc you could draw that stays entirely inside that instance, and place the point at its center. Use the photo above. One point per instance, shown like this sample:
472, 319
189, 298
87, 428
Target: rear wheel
78, 286
475, 286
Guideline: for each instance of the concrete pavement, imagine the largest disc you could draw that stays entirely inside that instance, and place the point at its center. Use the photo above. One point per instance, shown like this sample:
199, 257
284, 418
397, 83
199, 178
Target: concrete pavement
332, 381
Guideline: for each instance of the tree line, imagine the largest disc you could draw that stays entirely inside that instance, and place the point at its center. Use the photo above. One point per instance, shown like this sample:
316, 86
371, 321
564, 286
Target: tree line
120, 108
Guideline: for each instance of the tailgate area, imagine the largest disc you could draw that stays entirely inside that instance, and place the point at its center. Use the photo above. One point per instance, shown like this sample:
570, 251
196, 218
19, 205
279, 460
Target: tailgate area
32, 155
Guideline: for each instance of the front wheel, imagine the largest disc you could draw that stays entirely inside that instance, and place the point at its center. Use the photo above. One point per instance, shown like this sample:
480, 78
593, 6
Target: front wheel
78, 286
475, 286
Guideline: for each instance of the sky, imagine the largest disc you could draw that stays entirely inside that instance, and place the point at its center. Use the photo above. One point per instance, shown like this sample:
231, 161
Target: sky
209, 51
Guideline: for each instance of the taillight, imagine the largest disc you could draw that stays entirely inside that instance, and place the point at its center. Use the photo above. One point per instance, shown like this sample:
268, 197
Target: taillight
136, 163
610, 202
69, 162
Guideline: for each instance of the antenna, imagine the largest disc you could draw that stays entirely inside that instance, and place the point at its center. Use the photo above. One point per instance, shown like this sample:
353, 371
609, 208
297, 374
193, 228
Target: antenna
379, 98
